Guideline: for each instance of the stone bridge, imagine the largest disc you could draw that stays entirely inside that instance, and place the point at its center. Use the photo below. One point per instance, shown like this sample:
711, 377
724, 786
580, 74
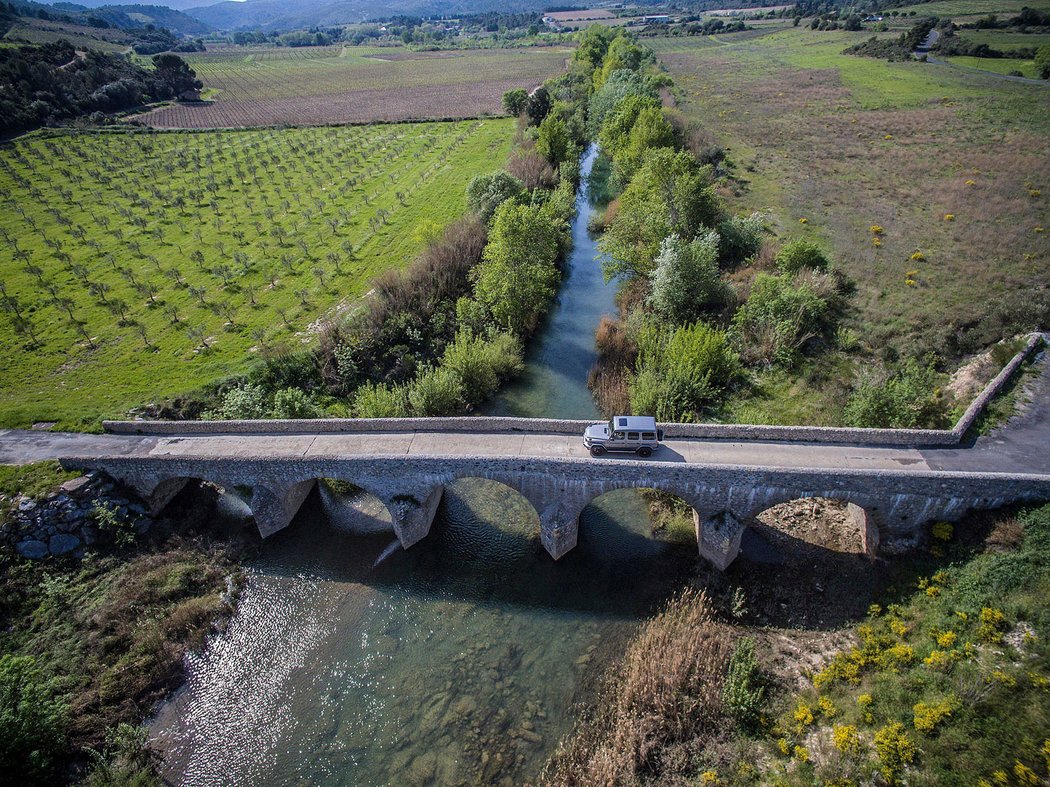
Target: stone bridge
894, 487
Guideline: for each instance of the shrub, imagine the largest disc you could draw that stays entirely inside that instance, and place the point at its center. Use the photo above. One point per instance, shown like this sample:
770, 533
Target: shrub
1042, 61
293, 403
244, 401
895, 750
799, 255
906, 399
680, 372
846, 739
435, 392
778, 318
375, 400
929, 715
33, 723
743, 692
112, 524
485, 193
686, 280
740, 237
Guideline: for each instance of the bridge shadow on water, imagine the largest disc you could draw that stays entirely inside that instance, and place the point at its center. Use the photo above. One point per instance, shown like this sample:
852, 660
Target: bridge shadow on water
484, 548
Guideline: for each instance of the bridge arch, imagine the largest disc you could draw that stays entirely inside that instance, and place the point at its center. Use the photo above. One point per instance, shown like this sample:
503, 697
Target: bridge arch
353, 508
845, 527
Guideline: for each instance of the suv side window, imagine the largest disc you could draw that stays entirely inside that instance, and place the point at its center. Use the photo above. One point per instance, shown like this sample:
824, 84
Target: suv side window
617, 435
632, 435
648, 435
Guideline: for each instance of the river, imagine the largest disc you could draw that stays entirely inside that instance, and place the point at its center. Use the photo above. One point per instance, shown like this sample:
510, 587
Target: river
351, 661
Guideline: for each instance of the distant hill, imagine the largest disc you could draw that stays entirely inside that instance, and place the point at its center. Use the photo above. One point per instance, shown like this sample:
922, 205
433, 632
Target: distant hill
177, 5
125, 17
288, 14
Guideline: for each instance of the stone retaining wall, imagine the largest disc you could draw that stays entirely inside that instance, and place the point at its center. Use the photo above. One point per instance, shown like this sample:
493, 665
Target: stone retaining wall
739, 432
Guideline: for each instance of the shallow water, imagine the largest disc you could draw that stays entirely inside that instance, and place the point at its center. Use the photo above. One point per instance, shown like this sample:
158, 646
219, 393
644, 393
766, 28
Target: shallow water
352, 661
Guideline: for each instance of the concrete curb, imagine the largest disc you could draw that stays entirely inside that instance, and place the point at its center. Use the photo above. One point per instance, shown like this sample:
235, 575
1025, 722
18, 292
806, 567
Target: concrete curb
740, 432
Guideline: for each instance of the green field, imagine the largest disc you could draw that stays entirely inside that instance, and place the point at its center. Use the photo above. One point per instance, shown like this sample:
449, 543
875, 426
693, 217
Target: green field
278, 73
1005, 40
998, 65
144, 265
829, 144
43, 32
974, 7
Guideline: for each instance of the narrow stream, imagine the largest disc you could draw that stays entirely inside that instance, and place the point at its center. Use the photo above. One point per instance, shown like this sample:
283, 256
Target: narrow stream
351, 661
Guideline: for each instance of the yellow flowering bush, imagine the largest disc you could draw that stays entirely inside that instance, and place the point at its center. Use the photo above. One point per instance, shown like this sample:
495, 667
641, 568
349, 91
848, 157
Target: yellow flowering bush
900, 655
803, 221
949, 217
1001, 678
784, 746
929, 715
918, 256
947, 639
899, 627
801, 754
865, 702
827, 707
876, 229
710, 777
991, 626
846, 738
941, 660
895, 750
803, 715
971, 182
1025, 775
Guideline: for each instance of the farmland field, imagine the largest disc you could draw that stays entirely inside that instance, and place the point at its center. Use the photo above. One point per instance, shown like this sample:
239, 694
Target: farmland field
38, 31
951, 164
998, 65
144, 265
316, 85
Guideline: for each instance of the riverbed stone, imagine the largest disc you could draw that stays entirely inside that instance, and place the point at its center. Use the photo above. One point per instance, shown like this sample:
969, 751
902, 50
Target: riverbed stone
63, 543
32, 549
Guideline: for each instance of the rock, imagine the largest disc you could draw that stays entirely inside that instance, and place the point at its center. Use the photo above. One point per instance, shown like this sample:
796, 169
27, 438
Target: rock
89, 535
26, 505
75, 484
421, 771
33, 549
530, 736
62, 543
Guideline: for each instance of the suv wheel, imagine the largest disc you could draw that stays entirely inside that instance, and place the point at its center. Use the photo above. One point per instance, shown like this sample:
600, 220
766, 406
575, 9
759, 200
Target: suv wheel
645, 451
597, 450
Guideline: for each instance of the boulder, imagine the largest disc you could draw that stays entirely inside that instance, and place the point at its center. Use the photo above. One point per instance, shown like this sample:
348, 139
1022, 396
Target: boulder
32, 549
63, 543
75, 484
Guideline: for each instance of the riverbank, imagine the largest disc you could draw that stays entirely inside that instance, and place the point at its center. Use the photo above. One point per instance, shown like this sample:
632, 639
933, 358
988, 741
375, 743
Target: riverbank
97, 637
950, 659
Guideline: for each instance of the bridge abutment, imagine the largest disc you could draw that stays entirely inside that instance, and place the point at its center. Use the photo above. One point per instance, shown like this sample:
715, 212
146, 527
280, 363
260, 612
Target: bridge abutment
718, 536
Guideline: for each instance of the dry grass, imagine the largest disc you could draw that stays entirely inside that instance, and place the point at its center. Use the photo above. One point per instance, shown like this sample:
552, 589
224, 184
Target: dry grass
831, 144
658, 710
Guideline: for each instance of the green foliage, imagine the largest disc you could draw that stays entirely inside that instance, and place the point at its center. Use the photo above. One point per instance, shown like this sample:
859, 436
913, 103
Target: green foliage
615, 131
650, 130
514, 101
799, 255
686, 280
112, 524
618, 86
436, 391
375, 400
681, 371
593, 44
485, 193
125, 761
33, 723
481, 364
293, 403
622, 54
779, 317
1042, 61
248, 401
906, 399
518, 278
553, 141
35, 480
740, 237
743, 692
670, 194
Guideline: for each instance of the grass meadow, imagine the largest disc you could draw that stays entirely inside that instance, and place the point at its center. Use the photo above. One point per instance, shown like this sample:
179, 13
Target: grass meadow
140, 266
312, 85
951, 164
956, 8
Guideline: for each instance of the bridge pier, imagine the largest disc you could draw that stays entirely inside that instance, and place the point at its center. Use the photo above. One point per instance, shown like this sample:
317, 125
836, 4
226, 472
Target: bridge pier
718, 537
414, 514
275, 506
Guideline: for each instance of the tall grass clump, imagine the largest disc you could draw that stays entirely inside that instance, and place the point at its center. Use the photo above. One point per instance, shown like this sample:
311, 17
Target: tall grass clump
658, 709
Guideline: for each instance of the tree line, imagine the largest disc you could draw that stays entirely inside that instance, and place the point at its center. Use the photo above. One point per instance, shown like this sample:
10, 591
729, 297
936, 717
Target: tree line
50, 83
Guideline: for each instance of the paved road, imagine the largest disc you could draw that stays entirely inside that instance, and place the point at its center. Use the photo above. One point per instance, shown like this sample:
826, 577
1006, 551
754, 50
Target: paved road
1021, 446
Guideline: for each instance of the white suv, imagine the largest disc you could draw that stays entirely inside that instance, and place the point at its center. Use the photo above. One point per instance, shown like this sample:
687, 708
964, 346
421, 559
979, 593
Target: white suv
631, 433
